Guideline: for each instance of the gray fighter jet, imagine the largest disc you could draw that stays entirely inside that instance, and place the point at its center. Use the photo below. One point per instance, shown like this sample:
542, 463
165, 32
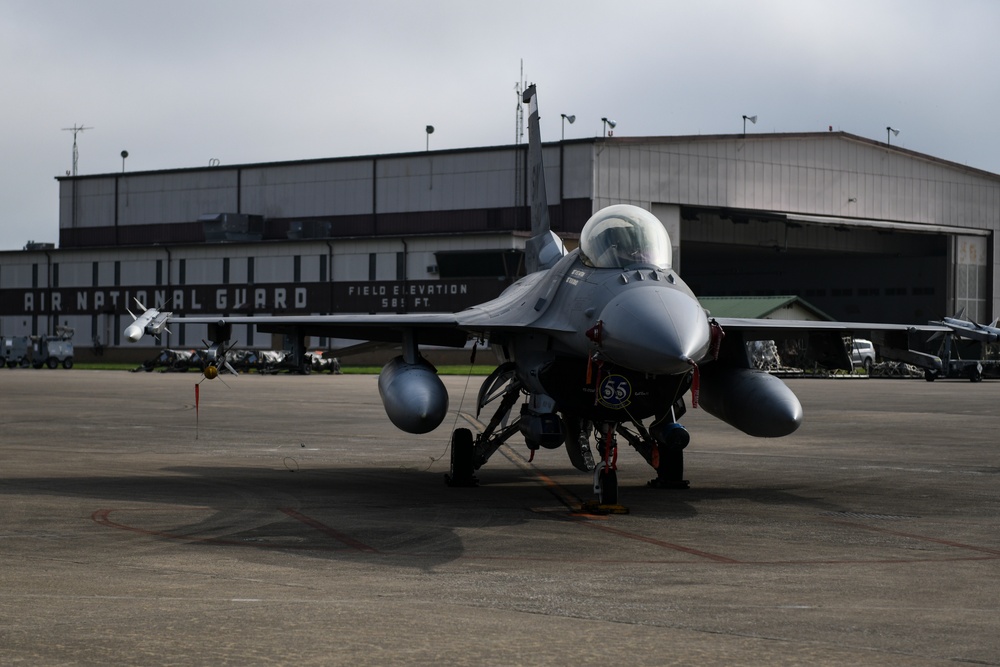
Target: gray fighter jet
963, 328
596, 345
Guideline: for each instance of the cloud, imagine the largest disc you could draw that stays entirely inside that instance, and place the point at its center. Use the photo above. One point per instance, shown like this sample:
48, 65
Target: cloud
178, 84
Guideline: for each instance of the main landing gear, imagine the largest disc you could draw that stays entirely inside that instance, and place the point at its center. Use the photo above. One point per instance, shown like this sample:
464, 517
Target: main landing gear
661, 444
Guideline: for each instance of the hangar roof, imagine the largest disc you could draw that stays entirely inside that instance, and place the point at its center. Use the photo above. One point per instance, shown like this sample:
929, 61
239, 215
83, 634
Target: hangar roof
762, 307
587, 140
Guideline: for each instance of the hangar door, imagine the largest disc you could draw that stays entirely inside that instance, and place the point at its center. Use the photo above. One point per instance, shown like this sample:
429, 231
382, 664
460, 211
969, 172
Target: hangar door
850, 269
970, 276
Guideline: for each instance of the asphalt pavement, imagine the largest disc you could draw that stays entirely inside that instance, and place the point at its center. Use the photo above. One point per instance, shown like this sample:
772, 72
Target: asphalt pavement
287, 522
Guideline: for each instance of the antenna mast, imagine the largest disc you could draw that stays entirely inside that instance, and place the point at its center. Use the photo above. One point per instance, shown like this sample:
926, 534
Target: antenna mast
519, 120
75, 130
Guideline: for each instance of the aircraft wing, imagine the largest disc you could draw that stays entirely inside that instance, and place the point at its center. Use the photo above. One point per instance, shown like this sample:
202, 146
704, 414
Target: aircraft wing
787, 328
826, 339
443, 329
428, 328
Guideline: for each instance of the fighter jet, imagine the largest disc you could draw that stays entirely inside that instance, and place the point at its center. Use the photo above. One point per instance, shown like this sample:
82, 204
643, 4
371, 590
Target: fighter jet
596, 345
963, 328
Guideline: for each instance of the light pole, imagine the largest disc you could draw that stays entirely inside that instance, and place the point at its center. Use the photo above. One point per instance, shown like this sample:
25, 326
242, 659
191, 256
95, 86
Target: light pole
752, 119
571, 118
607, 122
890, 131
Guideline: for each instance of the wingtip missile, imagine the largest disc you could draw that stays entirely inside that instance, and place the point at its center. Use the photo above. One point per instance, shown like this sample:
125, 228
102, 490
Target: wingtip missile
152, 321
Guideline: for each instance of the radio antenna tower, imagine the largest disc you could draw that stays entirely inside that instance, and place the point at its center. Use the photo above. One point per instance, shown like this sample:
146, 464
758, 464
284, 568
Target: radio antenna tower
519, 119
75, 130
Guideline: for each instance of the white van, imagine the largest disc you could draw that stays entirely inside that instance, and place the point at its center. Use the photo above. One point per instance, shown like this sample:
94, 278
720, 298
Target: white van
863, 354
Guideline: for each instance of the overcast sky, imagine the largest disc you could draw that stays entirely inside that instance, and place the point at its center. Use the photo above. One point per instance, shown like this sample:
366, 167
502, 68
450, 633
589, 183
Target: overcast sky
178, 84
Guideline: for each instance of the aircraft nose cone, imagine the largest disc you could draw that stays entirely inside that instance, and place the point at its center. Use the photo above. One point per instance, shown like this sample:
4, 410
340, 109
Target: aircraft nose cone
659, 330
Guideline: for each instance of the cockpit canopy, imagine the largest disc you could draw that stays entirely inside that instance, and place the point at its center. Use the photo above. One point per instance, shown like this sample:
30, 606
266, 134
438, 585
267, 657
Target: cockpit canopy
622, 236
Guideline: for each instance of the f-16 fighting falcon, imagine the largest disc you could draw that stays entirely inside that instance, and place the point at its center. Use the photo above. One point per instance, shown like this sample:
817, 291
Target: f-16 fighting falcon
596, 346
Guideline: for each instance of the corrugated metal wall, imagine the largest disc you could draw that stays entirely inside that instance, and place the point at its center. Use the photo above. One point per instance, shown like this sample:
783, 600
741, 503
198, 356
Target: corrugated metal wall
90, 290
824, 174
481, 190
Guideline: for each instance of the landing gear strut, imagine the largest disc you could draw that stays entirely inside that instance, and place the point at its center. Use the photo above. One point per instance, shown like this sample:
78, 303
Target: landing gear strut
606, 472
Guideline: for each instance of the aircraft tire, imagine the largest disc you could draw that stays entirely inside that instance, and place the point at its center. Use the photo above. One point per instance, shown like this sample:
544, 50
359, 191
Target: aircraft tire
463, 465
609, 487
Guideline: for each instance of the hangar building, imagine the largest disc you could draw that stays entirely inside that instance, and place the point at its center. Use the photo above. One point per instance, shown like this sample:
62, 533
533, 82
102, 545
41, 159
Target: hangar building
861, 229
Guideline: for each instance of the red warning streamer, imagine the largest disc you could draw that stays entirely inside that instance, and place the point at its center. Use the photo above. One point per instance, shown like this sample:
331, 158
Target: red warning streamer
695, 384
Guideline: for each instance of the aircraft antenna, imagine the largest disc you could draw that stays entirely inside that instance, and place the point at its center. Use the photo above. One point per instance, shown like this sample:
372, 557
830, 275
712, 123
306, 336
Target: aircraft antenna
76, 129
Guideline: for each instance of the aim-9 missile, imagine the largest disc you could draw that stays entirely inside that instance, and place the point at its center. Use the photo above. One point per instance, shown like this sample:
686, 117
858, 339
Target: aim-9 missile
984, 333
151, 321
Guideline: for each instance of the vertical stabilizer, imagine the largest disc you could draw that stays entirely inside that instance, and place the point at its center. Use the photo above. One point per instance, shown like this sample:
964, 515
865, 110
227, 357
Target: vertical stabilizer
544, 248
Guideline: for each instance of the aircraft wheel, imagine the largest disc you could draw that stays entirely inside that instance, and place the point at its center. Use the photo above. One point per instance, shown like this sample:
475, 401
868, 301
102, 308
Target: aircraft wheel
930, 376
463, 464
609, 487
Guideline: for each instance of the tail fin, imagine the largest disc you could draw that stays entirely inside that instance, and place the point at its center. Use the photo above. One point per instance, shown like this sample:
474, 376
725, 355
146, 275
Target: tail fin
544, 248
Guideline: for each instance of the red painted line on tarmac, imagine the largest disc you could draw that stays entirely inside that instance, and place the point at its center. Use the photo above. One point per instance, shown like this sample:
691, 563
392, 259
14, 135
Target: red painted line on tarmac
327, 530
103, 517
716, 558
922, 538
573, 503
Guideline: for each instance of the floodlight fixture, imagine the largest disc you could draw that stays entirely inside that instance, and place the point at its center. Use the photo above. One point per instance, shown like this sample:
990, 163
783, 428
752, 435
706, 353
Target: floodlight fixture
566, 117
752, 119
430, 130
890, 131
607, 123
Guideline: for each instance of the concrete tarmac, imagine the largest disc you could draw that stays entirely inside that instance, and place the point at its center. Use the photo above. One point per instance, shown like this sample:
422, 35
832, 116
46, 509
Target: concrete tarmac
289, 523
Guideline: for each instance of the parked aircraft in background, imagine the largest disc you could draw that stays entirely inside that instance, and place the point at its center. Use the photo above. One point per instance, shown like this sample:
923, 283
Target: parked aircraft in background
984, 333
596, 345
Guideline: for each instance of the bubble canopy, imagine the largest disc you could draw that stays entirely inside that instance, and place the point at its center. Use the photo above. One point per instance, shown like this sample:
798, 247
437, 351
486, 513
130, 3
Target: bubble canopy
618, 237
